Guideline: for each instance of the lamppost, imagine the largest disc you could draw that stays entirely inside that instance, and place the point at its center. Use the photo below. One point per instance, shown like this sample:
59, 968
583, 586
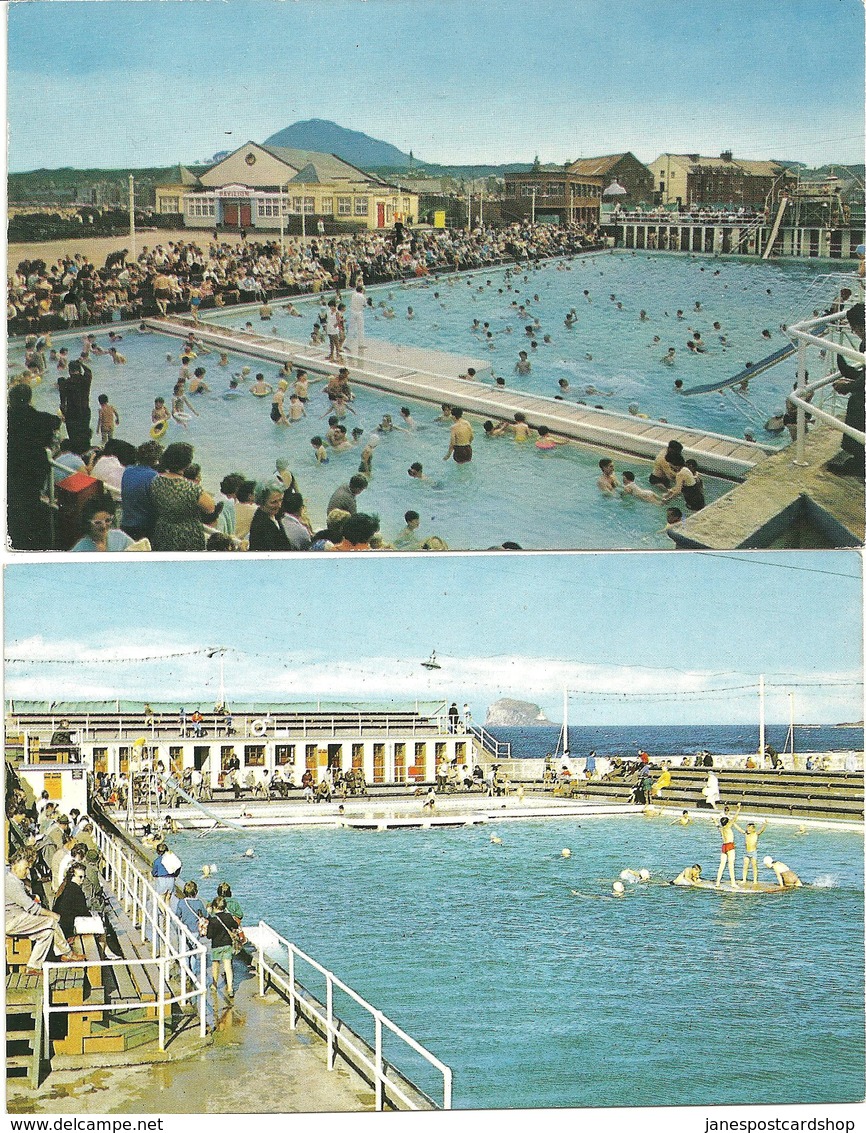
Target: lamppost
282, 221
534, 190
132, 217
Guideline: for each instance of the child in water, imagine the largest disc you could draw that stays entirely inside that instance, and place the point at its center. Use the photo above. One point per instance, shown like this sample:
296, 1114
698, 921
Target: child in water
607, 482
320, 450
108, 418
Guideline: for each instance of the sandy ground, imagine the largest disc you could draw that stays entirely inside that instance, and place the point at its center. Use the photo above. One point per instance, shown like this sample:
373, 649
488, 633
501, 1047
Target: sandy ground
254, 1064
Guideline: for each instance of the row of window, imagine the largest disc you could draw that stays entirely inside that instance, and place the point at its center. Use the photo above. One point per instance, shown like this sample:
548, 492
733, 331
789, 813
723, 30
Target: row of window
200, 207
554, 189
270, 206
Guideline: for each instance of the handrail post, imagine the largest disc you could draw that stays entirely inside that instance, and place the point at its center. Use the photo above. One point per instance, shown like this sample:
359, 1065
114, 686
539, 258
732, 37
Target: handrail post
46, 1004
153, 923
446, 1088
293, 1022
161, 970
800, 454
260, 951
380, 1091
330, 1024
202, 998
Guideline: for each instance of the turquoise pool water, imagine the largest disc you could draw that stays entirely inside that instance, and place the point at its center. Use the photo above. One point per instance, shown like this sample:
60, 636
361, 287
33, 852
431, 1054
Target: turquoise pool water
538, 997
546, 500
626, 366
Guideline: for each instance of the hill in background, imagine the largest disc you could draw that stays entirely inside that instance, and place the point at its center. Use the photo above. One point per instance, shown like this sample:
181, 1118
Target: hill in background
359, 149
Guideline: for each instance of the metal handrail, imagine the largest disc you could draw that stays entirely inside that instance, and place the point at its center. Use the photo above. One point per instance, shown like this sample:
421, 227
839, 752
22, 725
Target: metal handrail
148, 910
330, 1022
500, 749
802, 333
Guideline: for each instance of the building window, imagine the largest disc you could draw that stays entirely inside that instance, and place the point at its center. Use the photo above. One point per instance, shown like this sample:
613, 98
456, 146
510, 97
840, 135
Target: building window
296, 204
254, 755
327, 206
362, 206
510, 189
169, 204
309, 204
283, 754
527, 190
344, 206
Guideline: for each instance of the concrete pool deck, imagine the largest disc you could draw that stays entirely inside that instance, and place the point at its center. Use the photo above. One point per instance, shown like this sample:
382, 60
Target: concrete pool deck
776, 495
255, 1063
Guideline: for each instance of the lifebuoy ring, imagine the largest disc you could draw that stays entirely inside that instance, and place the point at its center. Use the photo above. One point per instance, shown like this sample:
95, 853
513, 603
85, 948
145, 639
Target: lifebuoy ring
259, 727
266, 392
35, 379
159, 429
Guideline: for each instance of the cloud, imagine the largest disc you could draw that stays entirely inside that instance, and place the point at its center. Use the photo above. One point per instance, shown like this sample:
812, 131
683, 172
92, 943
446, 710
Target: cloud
604, 693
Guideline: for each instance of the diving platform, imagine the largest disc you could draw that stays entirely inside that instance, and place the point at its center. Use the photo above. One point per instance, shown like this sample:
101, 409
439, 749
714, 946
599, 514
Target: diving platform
433, 376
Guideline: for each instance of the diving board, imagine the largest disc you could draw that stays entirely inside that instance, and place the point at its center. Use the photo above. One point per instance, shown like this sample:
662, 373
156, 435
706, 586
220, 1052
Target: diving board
433, 376
745, 375
777, 224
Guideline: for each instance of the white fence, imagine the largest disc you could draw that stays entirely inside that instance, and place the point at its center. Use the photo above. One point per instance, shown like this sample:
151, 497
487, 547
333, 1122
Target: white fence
802, 395
337, 1036
170, 941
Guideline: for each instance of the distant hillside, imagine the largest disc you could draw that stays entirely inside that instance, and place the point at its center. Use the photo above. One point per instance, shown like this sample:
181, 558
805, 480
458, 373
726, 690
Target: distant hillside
467, 172
327, 137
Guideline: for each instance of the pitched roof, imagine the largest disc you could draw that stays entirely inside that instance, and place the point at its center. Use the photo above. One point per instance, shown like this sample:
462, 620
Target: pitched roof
736, 164
327, 166
596, 166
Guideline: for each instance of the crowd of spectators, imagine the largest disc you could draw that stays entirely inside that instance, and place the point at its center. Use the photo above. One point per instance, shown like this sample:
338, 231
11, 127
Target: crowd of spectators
181, 276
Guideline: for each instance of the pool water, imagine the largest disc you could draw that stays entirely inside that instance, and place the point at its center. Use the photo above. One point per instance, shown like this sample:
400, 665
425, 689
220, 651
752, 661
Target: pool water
513, 966
625, 368
546, 500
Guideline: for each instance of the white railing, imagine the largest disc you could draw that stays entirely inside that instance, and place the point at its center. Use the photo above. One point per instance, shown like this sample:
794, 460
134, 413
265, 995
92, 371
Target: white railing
802, 393
499, 749
371, 1057
171, 943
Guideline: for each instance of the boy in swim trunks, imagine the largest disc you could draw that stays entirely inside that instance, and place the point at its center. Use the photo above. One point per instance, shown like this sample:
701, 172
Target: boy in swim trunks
751, 849
460, 445
726, 831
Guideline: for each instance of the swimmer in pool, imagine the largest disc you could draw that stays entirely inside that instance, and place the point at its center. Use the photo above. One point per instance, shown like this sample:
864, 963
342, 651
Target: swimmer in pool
670, 357
260, 387
607, 482
320, 450
689, 876
630, 488
523, 366
545, 441
179, 406
520, 428
785, 876
160, 411
683, 820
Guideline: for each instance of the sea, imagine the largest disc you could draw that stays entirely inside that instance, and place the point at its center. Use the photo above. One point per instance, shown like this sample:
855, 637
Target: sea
667, 741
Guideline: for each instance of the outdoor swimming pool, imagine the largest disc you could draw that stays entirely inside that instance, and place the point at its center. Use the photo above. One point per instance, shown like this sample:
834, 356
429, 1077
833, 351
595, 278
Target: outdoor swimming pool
537, 997
626, 366
510, 492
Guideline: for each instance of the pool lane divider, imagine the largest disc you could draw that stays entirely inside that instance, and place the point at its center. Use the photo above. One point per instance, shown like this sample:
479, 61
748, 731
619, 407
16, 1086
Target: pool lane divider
429, 376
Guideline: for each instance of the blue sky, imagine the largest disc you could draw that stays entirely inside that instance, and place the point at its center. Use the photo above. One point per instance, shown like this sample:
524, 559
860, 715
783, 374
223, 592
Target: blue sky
148, 82
668, 626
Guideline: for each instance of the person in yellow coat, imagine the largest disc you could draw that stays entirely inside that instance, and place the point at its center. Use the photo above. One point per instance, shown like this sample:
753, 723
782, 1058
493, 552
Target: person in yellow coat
664, 780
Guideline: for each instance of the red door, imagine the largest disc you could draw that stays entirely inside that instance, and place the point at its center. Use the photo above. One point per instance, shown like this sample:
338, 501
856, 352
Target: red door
230, 215
246, 216
380, 215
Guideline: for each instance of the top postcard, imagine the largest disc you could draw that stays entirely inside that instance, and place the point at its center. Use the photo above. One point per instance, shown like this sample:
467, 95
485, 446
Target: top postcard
447, 292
